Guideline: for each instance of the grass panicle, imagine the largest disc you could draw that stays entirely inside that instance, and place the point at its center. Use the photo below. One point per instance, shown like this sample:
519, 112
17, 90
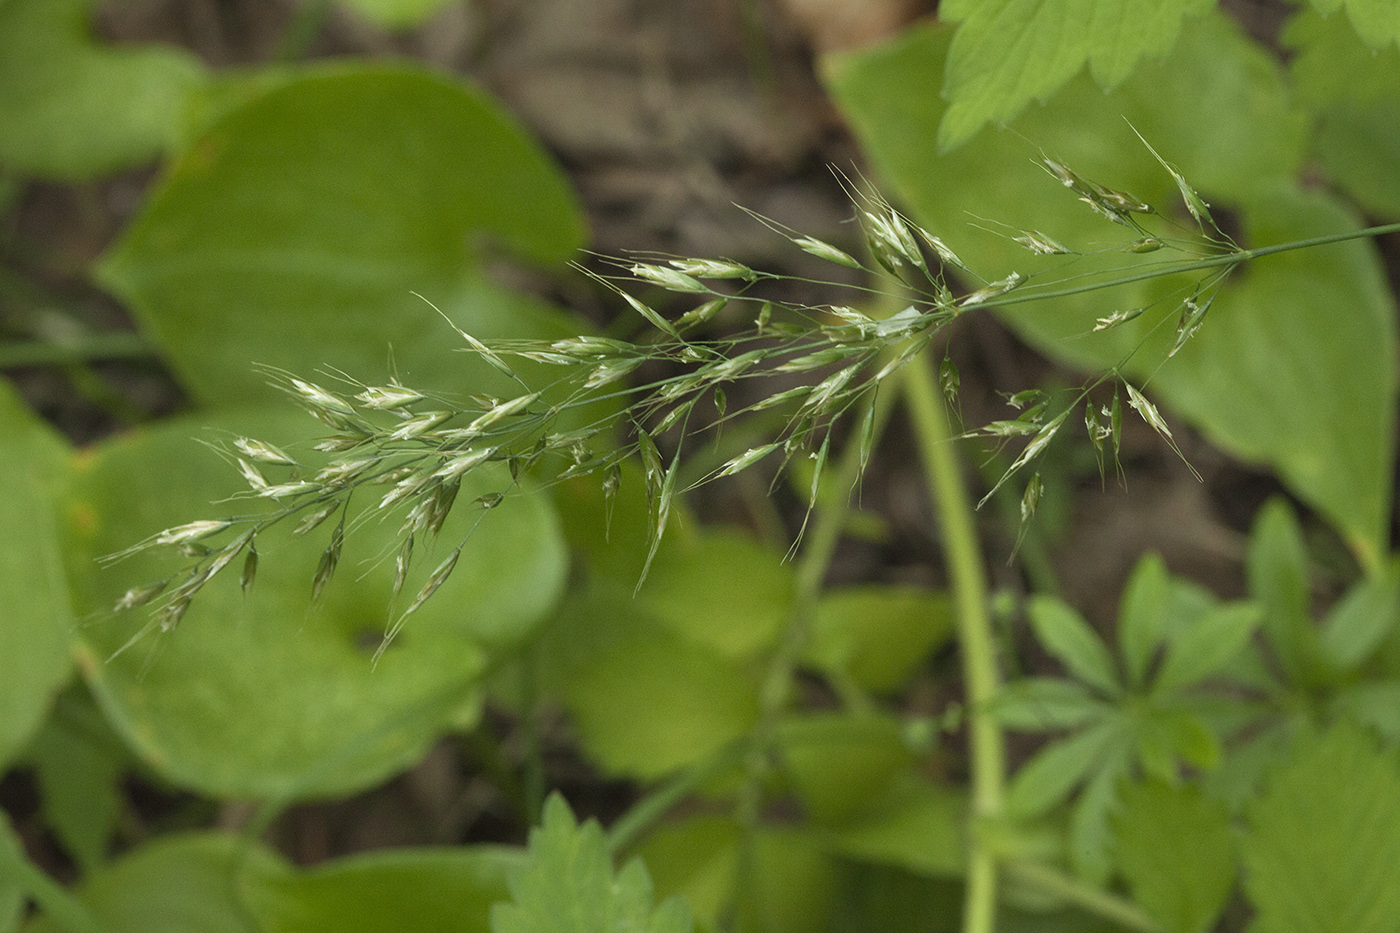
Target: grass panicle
420, 448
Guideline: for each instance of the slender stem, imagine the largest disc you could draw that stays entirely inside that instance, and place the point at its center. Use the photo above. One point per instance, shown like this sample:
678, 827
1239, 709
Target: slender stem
122, 345
1048, 880
534, 779
1214, 262
651, 808
975, 636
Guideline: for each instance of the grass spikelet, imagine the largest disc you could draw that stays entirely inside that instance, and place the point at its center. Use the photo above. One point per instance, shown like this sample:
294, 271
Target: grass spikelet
250, 569
652, 318
313, 519
262, 452
991, 292
418, 425
139, 596
746, 459
285, 490
385, 398
1042, 244
435, 581
823, 250
330, 559
319, 400
1037, 445
701, 314
1117, 318
251, 474
1149, 412
714, 269
671, 279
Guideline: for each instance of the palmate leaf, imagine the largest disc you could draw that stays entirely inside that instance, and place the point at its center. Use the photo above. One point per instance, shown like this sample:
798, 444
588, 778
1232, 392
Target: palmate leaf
569, 886
1010, 52
1173, 846
1323, 851
1064, 633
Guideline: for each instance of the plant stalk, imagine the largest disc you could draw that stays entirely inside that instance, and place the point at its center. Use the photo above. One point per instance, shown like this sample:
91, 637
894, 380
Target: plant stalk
120, 345
1050, 881
1234, 258
975, 636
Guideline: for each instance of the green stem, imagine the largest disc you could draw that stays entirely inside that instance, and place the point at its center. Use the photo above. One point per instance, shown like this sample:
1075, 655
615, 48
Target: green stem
650, 809
1049, 880
534, 779
122, 345
975, 636
1214, 262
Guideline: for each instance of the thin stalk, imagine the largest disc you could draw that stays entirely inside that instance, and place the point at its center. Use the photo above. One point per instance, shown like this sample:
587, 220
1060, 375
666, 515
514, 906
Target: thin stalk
650, 809
1234, 258
533, 779
975, 636
1048, 880
122, 345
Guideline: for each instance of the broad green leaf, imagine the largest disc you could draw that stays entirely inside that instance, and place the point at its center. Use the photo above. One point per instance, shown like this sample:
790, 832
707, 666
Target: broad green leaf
645, 700
35, 614
1352, 89
1173, 845
1142, 616
1309, 389
840, 763
1205, 647
1217, 108
1361, 620
1375, 21
295, 230
70, 108
1040, 704
1007, 53
397, 14
1064, 633
263, 695
915, 825
1053, 772
568, 885
422, 889
1355, 143
877, 635
176, 884
1322, 854
722, 590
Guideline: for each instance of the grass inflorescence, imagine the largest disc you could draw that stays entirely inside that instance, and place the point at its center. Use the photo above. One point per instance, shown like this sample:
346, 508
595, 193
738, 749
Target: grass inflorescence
406, 450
